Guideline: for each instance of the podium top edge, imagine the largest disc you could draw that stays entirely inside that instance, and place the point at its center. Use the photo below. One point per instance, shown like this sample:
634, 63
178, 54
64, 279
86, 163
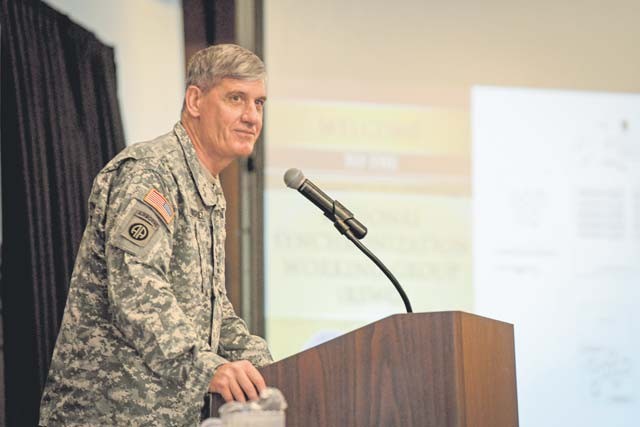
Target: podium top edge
454, 313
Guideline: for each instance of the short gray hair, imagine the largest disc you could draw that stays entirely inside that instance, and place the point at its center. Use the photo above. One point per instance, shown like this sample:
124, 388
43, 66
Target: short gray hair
208, 66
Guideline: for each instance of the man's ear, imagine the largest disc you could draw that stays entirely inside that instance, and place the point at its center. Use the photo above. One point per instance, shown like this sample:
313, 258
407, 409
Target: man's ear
192, 97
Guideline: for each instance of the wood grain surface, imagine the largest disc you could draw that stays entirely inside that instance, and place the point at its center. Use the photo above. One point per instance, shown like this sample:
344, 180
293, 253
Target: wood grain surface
448, 369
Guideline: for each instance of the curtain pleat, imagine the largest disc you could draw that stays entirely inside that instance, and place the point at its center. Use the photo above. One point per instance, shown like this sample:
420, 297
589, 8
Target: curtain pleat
60, 125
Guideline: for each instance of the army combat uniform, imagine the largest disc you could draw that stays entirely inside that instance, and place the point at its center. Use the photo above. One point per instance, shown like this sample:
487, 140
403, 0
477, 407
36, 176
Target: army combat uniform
147, 319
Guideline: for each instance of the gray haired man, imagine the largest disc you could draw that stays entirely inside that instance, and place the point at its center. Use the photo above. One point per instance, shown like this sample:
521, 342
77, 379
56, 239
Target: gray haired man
148, 328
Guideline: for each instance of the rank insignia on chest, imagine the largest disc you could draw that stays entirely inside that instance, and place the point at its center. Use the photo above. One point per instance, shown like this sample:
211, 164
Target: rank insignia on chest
158, 202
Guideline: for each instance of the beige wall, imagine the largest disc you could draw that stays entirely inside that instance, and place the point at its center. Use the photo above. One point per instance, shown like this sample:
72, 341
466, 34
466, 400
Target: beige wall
431, 52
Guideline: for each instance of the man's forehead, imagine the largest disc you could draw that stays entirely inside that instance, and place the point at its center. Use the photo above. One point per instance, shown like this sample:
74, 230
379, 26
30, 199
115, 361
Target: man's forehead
228, 84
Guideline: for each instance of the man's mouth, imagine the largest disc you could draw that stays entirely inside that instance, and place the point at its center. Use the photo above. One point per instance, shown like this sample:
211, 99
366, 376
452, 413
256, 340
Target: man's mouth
246, 132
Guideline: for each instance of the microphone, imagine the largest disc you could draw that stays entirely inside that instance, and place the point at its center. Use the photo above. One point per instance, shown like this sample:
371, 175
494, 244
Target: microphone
341, 217
343, 220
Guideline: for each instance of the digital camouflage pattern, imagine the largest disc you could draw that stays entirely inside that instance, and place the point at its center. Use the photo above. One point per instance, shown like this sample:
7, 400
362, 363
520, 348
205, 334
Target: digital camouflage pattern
147, 319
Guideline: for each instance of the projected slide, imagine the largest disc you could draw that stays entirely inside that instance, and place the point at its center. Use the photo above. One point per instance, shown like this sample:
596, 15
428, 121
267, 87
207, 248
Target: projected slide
404, 172
556, 247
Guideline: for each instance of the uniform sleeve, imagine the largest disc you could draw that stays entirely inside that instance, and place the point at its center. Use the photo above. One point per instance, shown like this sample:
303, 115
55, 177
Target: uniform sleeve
236, 343
144, 309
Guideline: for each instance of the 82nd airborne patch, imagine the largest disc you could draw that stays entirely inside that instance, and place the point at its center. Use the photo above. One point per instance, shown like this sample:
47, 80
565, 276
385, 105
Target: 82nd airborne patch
138, 231
140, 226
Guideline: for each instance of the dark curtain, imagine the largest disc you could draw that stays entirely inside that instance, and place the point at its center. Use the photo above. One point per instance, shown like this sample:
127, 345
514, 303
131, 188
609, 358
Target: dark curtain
60, 125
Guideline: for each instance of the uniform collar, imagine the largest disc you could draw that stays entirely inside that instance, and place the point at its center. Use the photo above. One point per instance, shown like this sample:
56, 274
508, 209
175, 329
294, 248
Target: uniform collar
208, 185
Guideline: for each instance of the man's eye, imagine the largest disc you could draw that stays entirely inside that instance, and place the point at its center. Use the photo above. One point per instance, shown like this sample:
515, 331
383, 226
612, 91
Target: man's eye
260, 102
235, 98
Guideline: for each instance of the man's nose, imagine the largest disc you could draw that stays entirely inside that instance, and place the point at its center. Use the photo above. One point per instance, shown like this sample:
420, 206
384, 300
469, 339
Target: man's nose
251, 114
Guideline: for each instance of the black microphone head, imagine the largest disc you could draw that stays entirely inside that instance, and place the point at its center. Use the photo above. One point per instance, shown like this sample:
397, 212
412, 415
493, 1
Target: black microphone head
294, 178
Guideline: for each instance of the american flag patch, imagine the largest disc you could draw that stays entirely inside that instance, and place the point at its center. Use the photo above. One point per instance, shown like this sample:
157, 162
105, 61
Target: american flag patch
160, 204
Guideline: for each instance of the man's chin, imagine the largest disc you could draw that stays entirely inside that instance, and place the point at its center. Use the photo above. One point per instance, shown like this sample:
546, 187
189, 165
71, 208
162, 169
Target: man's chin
245, 149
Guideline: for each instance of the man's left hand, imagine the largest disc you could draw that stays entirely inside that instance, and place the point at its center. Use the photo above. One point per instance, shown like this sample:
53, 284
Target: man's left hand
237, 381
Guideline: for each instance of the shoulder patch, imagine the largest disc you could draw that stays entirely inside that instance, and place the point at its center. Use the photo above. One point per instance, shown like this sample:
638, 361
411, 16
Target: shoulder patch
158, 202
139, 227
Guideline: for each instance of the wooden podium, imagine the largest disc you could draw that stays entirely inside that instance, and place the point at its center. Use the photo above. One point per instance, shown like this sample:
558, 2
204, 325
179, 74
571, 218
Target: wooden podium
447, 369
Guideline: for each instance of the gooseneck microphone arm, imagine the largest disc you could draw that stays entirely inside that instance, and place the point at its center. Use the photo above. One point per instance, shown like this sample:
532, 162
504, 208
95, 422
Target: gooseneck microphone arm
382, 267
343, 220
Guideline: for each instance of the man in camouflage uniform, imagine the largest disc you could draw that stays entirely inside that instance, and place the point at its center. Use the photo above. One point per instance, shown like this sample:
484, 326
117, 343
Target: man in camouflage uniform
148, 328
